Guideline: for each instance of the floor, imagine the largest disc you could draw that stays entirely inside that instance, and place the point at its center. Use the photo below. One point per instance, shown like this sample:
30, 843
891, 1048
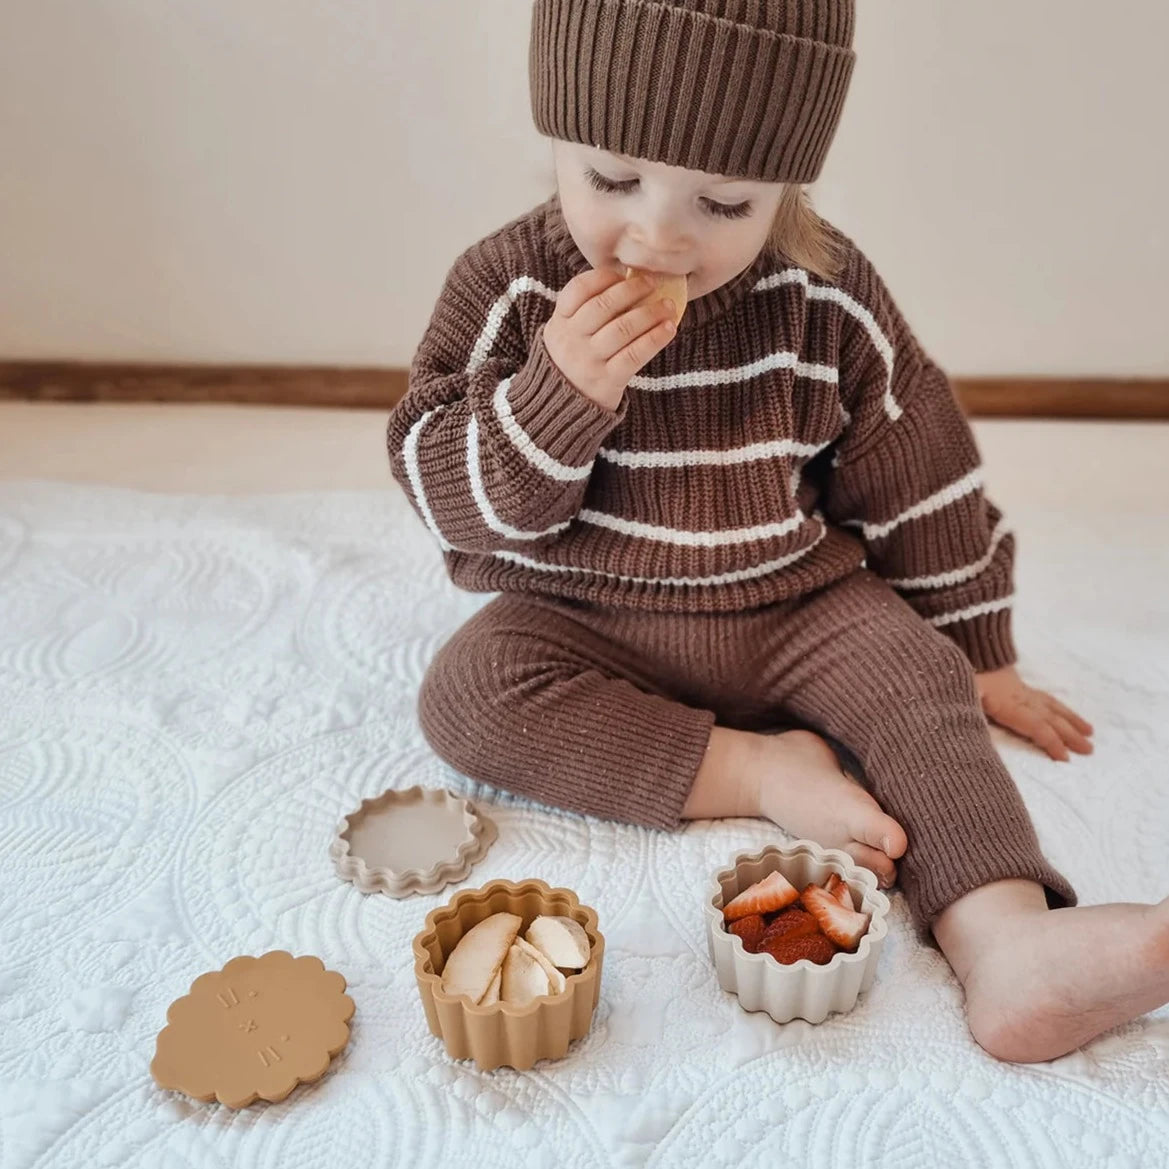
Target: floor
224, 449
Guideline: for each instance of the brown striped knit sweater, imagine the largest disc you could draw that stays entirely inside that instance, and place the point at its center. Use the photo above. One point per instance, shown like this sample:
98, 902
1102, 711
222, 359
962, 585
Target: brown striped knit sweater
792, 430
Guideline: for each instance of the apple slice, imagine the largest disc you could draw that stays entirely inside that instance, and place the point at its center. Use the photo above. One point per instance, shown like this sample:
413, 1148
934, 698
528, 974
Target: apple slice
479, 954
563, 941
492, 995
556, 980
523, 977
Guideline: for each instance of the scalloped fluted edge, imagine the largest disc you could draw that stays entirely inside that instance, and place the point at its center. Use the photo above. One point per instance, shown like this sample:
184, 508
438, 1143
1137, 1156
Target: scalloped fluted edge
398, 883
505, 1034
802, 989
286, 1087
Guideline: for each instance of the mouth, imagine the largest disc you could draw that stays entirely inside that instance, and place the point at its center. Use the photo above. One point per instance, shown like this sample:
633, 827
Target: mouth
661, 272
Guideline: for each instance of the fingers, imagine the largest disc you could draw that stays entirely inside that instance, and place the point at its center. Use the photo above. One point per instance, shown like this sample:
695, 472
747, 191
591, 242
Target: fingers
1082, 725
1036, 728
1069, 734
623, 365
583, 288
1029, 722
629, 326
610, 297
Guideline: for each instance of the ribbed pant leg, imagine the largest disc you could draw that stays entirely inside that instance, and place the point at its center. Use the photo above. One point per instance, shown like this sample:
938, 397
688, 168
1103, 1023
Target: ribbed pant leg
856, 662
530, 699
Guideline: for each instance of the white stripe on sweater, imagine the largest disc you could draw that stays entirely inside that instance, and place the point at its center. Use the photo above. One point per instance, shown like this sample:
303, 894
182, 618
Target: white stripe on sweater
688, 539
522, 441
775, 449
721, 578
957, 575
700, 378
855, 309
498, 313
627, 527
973, 611
414, 474
949, 494
480, 495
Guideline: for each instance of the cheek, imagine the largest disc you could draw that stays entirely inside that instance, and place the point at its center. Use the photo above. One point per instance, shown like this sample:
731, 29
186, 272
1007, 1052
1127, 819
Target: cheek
741, 242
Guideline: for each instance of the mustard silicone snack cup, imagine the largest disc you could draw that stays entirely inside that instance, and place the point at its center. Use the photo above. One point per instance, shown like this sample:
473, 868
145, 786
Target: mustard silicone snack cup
505, 1034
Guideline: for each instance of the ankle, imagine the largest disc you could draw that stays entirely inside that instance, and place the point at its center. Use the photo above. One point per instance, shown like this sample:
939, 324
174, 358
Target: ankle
994, 913
730, 779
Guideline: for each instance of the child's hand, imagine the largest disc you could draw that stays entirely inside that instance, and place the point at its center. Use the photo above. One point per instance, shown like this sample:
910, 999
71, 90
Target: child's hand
1034, 714
601, 333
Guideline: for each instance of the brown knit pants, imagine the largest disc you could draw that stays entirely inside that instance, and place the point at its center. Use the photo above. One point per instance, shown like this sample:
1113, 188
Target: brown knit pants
608, 712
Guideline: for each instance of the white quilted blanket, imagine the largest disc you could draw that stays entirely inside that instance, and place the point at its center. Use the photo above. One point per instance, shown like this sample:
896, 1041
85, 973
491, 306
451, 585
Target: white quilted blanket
193, 690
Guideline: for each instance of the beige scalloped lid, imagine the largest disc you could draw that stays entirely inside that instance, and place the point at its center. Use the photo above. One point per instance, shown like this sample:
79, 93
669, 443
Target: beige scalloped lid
411, 841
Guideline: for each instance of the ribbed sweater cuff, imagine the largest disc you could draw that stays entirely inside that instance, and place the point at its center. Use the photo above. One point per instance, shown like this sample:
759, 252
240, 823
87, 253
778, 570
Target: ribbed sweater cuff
555, 415
986, 640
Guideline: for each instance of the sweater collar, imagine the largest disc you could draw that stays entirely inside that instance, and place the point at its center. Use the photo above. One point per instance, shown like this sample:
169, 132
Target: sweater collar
699, 312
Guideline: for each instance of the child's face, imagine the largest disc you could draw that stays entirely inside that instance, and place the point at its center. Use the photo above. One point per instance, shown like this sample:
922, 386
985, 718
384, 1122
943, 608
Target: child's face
664, 218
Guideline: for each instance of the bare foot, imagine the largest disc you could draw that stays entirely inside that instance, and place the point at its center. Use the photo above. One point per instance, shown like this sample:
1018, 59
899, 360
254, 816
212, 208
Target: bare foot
1041, 983
805, 792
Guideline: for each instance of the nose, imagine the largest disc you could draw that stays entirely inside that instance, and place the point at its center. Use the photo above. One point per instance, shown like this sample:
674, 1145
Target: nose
659, 237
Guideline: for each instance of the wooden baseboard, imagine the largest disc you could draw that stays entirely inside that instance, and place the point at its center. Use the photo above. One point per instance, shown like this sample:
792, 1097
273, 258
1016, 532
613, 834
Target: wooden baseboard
1132, 398
371, 388
272, 385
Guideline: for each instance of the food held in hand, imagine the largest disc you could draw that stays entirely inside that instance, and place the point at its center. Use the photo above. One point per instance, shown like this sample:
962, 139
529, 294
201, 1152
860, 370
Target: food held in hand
774, 892
666, 287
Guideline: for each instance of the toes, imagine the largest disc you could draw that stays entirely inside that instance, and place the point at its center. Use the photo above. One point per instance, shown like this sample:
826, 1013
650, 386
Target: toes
873, 860
895, 842
883, 833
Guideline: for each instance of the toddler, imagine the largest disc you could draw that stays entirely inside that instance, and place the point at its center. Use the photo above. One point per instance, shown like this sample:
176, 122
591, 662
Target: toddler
733, 550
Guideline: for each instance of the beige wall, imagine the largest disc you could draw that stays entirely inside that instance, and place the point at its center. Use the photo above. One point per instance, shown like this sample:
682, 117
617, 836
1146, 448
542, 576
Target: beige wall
258, 180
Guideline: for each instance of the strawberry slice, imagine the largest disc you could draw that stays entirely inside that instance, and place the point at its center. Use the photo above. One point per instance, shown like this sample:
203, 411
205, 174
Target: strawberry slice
814, 947
772, 893
839, 889
793, 922
751, 929
845, 927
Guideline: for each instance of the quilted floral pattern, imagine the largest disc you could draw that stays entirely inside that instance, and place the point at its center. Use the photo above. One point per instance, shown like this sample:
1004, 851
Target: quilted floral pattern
193, 692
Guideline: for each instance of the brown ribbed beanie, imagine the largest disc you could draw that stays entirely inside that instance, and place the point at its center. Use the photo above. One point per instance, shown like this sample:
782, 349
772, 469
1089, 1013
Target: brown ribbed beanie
750, 88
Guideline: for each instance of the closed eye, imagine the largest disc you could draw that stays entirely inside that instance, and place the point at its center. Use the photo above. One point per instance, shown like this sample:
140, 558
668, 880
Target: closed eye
611, 187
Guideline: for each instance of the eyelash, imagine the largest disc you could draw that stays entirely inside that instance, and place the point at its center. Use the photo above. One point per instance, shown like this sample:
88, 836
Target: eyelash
608, 187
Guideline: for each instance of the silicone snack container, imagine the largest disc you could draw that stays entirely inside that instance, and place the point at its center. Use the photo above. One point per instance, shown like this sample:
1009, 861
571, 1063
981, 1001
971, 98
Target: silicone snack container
412, 841
802, 990
506, 1035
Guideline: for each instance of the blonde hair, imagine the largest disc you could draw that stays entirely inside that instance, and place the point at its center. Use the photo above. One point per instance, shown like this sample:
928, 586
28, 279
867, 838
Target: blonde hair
801, 237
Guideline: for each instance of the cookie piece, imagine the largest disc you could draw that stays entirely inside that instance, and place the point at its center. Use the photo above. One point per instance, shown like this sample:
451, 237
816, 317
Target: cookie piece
675, 288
